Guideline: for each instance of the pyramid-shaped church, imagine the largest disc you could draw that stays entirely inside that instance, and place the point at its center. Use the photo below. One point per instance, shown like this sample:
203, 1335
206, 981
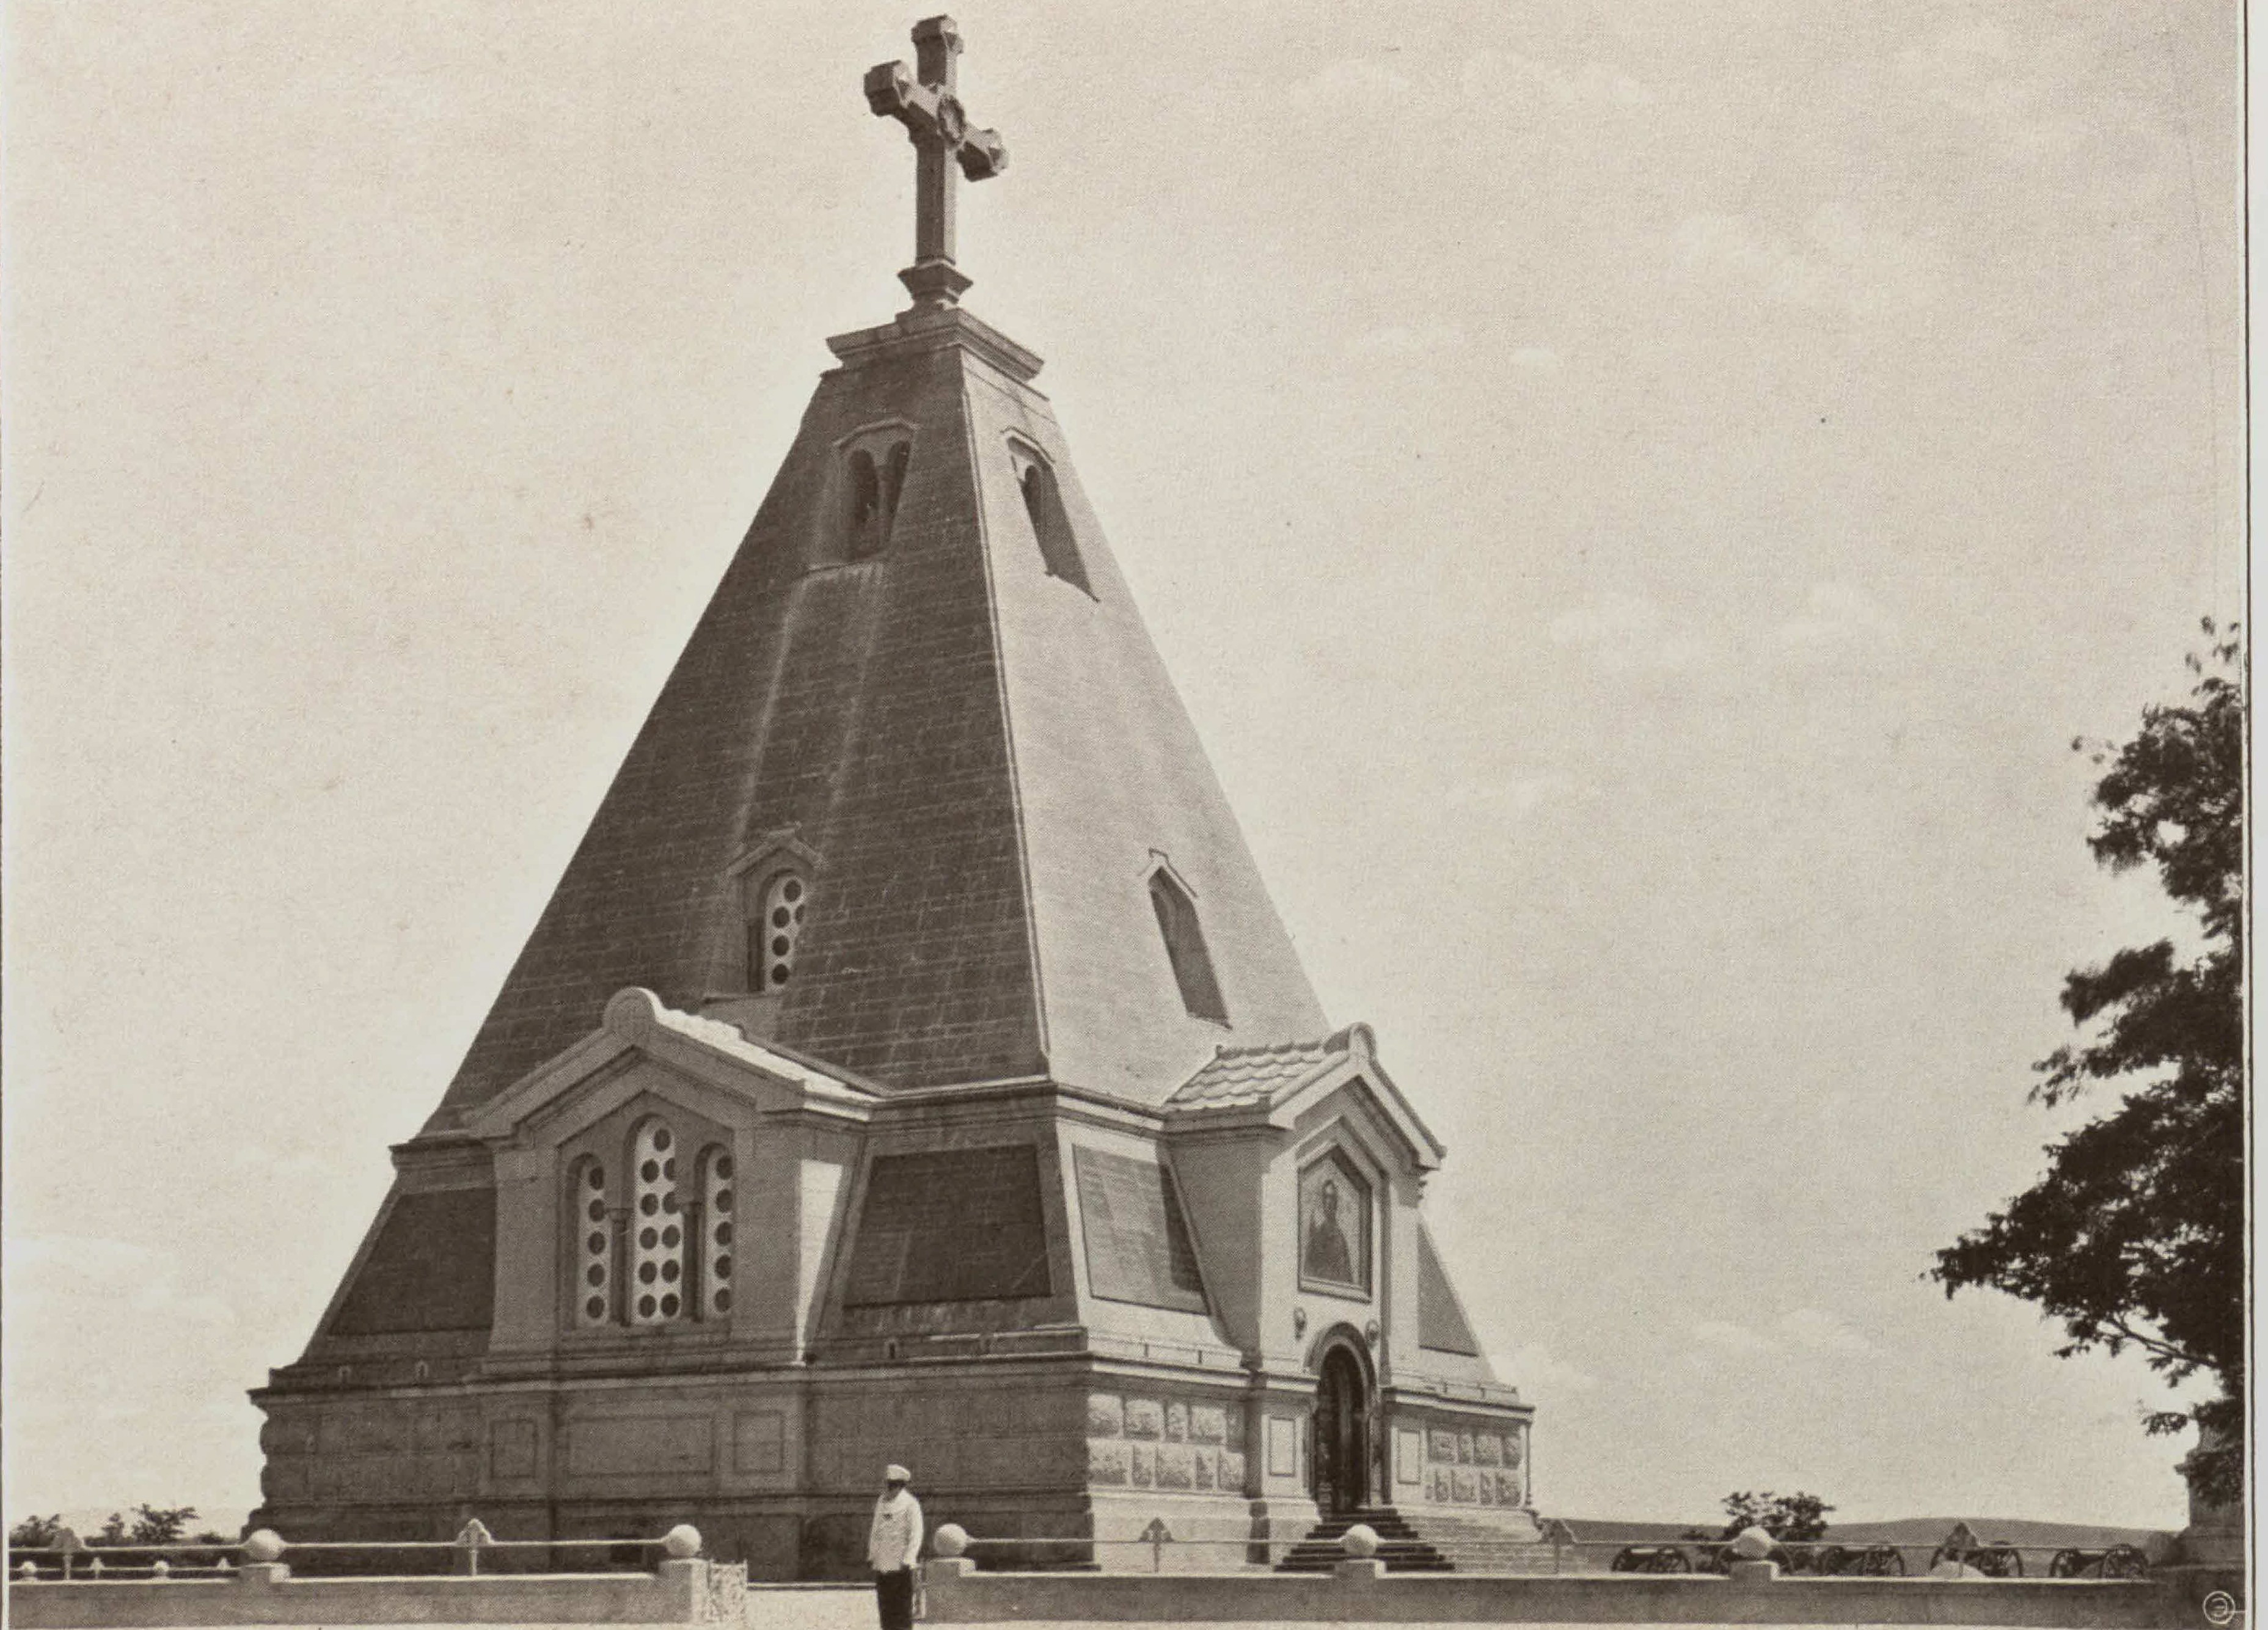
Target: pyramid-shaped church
909, 1067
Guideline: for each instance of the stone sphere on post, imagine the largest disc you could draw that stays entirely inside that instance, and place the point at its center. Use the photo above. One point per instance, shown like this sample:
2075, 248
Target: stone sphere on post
682, 1542
1752, 1545
1359, 1541
264, 1544
950, 1540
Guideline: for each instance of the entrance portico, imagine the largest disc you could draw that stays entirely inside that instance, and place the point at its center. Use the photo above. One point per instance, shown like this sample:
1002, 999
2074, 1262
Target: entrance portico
1347, 1474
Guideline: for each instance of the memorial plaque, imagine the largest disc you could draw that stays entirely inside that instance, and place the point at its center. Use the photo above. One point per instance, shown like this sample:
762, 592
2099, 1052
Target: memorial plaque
1409, 1456
950, 1225
606, 1445
512, 1448
1138, 1245
1282, 1459
759, 1442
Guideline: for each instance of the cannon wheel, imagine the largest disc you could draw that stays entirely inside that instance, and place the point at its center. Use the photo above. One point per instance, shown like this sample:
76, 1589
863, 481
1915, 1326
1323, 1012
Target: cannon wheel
1833, 1559
2004, 1562
1626, 1560
1945, 1553
1670, 1560
2068, 1564
1785, 1558
2124, 1562
1882, 1562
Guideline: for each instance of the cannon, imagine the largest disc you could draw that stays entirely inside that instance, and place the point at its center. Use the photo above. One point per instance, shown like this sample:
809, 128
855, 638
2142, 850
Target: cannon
1717, 1557
1995, 1560
1651, 1559
2117, 1562
1878, 1562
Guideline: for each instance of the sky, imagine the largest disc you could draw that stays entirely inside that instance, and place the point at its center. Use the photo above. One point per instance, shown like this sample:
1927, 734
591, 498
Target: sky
1639, 499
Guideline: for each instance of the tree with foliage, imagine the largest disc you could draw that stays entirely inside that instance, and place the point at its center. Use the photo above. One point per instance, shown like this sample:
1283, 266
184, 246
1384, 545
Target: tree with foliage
153, 1526
37, 1533
2134, 1236
1783, 1517
161, 1525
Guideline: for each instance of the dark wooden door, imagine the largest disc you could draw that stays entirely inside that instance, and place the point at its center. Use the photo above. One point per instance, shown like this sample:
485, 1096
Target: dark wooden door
1342, 1435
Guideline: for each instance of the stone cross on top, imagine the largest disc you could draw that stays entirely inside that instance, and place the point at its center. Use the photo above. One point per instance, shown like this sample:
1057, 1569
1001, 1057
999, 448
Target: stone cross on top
937, 126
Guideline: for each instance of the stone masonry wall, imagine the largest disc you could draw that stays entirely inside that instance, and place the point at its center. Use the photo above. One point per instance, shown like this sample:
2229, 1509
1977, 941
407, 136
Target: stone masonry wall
1169, 1444
1451, 1462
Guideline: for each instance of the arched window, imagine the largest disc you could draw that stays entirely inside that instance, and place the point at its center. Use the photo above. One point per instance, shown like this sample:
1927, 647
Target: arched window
656, 1292
1050, 527
1185, 948
776, 907
717, 1233
594, 1233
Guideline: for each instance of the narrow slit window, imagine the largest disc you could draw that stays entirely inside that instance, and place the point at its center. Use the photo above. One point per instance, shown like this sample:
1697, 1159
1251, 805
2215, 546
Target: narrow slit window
867, 522
1185, 949
1050, 526
594, 1256
716, 1229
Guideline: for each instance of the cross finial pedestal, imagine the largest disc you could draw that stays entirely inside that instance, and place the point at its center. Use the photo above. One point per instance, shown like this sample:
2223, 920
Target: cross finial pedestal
922, 99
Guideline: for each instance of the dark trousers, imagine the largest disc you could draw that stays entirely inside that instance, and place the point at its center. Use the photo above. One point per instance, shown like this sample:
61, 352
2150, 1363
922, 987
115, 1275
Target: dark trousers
894, 1595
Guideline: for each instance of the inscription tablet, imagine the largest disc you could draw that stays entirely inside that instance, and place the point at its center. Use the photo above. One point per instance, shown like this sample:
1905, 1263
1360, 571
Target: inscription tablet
1138, 1245
950, 1225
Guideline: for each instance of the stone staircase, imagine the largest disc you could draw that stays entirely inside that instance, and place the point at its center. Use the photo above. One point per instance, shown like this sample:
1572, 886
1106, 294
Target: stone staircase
1478, 1548
1400, 1547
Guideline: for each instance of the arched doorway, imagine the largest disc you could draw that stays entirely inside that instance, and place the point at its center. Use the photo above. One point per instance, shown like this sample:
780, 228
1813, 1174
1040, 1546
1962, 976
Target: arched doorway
1343, 1431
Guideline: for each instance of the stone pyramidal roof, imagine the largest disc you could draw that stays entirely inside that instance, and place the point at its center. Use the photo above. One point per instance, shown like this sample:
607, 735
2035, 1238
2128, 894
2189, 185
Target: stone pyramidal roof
966, 738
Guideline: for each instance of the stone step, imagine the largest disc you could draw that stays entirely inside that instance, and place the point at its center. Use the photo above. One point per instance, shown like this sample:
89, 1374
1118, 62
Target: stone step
1401, 1547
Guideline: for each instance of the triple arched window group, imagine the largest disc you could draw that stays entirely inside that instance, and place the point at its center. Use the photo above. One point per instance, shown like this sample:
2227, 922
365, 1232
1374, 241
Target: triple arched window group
654, 1237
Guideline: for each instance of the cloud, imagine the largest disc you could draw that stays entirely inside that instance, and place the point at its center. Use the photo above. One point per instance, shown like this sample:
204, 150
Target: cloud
1533, 1366
1408, 83
1367, 84
1622, 633
1977, 69
1599, 85
1806, 1332
1837, 620
1838, 263
1497, 797
1538, 358
1817, 1331
1730, 1338
59, 1273
1405, 342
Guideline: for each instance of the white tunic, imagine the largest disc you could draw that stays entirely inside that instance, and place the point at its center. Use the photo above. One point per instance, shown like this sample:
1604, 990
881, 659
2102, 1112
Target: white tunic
895, 1541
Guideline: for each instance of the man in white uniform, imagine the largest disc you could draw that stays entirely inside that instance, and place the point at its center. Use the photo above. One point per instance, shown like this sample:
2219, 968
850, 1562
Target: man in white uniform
894, 1546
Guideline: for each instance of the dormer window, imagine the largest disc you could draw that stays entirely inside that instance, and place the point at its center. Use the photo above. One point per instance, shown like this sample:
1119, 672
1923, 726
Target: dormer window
877, 476
775, 924
1043, 508
864, 487
1185, 947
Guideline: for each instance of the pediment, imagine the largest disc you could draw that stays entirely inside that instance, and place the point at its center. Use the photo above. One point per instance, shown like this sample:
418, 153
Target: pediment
643, 1047
1291, 1089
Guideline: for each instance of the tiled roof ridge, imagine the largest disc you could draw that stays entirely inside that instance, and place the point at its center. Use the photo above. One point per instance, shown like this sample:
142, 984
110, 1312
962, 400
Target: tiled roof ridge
1338, 1042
